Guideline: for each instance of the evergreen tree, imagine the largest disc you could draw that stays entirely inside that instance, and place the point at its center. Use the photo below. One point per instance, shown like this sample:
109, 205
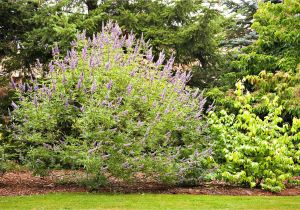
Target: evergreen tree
184, 28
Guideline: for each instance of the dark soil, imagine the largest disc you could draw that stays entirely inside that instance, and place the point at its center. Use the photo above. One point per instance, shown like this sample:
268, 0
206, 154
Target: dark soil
24, 183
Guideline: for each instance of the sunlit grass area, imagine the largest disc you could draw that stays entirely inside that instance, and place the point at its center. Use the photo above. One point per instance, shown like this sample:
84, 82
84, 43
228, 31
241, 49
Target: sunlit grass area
147, 201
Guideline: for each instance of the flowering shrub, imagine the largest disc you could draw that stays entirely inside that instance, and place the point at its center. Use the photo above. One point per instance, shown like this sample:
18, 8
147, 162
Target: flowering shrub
254, 151
109, 107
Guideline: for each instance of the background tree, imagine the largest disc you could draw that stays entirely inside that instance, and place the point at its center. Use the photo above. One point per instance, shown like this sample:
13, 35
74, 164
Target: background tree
14, 24
173, 27
239, 31
270, 65
278, 45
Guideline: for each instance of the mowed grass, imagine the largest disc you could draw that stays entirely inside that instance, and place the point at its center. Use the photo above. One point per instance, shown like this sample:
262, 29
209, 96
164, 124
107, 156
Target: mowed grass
147, 201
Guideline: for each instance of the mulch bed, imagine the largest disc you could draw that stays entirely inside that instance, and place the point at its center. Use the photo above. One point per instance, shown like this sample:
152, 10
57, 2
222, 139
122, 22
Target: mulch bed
24, 183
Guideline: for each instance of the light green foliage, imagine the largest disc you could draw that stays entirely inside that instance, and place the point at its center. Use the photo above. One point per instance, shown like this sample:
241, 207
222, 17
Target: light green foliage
284, 85
256, 151
281, 85
278, 45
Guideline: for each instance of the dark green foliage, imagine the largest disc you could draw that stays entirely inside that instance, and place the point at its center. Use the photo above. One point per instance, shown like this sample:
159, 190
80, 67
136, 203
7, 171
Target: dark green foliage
239, 32
184, 28
193, 39
14, 24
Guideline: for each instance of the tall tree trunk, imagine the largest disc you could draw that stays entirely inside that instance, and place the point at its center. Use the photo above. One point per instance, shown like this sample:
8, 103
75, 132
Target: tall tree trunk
202, 61
91, 4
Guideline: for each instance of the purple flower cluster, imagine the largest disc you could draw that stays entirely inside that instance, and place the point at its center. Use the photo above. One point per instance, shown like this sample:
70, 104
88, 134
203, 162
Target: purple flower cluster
80, 80
98, 71
73, 59
94, 87
129, 89
55, 50
109, 85
51, 67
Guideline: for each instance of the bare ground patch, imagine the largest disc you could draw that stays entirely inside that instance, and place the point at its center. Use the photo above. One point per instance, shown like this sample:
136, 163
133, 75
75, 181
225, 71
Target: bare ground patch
24, 183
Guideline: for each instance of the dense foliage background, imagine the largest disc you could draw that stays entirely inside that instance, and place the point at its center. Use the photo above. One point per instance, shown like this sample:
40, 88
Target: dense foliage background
181, 91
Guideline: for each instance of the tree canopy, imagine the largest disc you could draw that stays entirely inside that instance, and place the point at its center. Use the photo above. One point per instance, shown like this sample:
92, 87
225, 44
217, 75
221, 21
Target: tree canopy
186, 28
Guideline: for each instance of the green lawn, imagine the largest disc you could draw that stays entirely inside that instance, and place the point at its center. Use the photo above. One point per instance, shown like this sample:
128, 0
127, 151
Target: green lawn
146, 201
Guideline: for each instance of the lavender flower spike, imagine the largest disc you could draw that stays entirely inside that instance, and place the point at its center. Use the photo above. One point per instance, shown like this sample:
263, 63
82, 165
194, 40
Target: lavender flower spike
109, 85
79, 83
120, 100
140, 123
36, 87
130, 40
163, 95
149, 55
129, 89
82, 109
84, 52
94, 87
51, 67
160, 59
14, 105
55, 50
107, 65
132, 73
